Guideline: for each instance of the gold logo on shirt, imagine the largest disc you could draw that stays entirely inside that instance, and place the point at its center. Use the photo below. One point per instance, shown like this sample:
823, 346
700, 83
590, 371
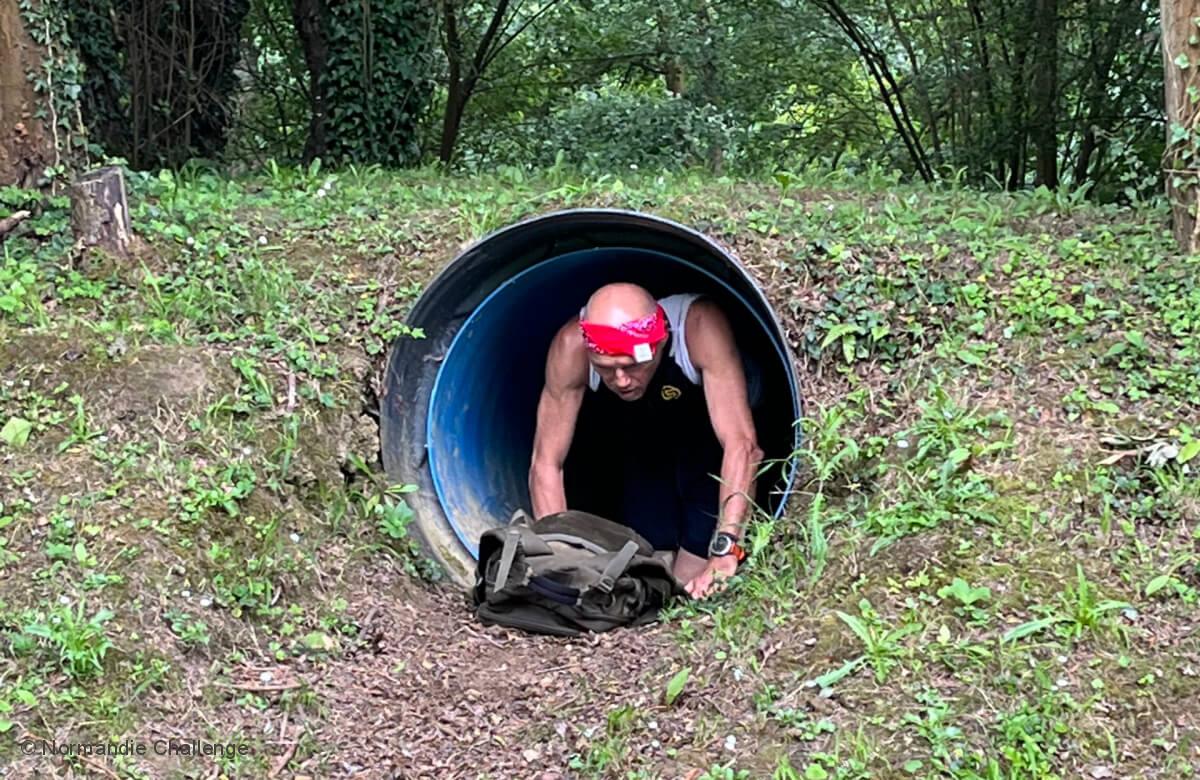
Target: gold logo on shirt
670, 392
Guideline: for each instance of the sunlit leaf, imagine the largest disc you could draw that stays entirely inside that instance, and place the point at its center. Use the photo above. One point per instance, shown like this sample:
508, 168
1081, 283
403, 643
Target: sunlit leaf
676, 684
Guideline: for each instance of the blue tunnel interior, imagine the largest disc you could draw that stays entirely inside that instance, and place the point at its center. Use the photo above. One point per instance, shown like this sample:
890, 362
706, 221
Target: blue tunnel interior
460, 407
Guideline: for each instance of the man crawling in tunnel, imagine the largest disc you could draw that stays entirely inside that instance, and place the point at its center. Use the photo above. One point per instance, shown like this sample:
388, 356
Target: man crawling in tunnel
645, 404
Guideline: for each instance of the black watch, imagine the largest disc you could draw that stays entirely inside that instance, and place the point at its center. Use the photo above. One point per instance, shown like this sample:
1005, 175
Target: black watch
725, 544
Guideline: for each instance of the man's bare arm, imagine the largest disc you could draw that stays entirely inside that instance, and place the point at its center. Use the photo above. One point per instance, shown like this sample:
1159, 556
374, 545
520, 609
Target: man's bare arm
558, 408
714, 353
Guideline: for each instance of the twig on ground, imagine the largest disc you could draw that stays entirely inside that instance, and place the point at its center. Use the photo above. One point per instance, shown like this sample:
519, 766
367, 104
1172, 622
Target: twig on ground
98, 766
9, 223
260, 688
291, 392
287, 754
283, 760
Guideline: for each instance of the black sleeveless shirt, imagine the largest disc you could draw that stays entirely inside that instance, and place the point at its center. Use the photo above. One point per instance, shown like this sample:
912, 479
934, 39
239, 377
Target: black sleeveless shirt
667, 428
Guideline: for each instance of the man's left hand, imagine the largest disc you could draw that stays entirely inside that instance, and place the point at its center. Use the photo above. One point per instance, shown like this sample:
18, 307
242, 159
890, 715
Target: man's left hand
711, 580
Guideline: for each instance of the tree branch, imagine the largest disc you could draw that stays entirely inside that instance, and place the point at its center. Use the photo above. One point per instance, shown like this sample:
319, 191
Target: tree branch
481, 51
550, 4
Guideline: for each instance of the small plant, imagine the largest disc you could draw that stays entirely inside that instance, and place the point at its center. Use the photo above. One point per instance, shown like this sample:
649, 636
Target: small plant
938, 483
191, 632
21, 289
676, 685
1083, 611
882, 645
1028, 740
81, 431
255, 391
391, 512
15, 432
1078, 611
607, 753
967, 597
81, 642
215, 488
725, 772
1169, 583
288, 444
21, 692
798, 721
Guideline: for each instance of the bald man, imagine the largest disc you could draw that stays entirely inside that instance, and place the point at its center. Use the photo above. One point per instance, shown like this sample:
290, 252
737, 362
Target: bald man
660, 390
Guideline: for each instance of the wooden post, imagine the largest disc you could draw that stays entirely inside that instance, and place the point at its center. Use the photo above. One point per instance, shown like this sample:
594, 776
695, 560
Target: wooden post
1181, 159
100, 212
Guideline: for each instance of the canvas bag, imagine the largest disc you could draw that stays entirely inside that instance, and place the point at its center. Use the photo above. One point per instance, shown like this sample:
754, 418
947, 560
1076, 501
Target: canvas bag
569, 573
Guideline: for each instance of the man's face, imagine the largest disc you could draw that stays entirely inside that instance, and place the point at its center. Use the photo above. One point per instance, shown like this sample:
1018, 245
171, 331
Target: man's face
625, 376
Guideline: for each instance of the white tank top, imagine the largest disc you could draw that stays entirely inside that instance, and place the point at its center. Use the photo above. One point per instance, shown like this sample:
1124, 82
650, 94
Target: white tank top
676, 308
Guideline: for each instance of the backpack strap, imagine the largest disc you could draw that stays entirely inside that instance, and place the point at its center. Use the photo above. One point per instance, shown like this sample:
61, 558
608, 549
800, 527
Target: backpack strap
512, 540
548, 588
578, 541
617, 566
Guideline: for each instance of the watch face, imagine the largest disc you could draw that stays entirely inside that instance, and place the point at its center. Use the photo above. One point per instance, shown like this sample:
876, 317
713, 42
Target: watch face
720, 545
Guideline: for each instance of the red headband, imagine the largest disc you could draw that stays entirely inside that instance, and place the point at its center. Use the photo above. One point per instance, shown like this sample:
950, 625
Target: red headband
636, 338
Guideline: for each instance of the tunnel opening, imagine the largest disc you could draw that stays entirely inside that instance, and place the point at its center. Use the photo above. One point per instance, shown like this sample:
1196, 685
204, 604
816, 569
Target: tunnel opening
459, 405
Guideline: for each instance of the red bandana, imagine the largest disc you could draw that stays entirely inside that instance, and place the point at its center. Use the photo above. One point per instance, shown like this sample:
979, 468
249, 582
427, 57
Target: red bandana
636, 338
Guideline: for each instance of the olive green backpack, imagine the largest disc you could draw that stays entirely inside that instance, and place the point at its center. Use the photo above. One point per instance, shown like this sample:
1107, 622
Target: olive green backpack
569, 573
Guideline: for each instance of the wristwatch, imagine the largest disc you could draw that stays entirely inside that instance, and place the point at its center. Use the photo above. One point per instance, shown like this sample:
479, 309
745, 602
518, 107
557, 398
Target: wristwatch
725, 544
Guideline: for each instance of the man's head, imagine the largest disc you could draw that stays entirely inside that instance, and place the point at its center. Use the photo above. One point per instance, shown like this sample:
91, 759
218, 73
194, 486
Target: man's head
621, 323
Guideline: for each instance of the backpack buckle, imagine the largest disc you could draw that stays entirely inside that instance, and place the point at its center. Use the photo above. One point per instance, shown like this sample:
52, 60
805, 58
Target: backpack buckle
616, 567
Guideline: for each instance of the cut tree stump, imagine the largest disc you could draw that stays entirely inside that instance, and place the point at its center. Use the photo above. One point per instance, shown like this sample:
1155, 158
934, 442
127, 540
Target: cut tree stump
100, 212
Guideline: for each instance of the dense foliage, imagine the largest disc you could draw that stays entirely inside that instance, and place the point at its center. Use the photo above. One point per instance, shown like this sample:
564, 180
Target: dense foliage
1011, 95
160, 75
376, 80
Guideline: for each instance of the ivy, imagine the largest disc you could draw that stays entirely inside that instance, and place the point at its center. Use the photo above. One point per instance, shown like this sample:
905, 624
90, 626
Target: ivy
105, 86
58, 82
160, 75
378, 79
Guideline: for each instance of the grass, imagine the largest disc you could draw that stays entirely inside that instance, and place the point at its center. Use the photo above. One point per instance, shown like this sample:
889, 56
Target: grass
988, 571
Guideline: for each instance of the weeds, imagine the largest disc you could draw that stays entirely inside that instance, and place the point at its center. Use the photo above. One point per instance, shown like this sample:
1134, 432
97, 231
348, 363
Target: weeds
1078, 611
882, 644
1016, 387
80, 642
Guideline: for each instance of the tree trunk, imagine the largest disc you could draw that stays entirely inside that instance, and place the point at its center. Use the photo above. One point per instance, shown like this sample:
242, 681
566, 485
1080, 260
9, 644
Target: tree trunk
463, 73
1102, 57
1044, 126
673, 75
979, 27
672, 62
1181, 159
456, 103
1019, 79
26, 143
100, 211
309, 17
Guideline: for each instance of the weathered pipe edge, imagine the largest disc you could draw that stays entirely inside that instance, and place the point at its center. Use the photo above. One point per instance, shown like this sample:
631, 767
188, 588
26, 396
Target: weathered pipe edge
577, 249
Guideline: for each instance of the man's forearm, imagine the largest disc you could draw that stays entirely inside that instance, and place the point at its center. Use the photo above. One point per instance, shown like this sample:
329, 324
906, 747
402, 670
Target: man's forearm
546, 491
738, 466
